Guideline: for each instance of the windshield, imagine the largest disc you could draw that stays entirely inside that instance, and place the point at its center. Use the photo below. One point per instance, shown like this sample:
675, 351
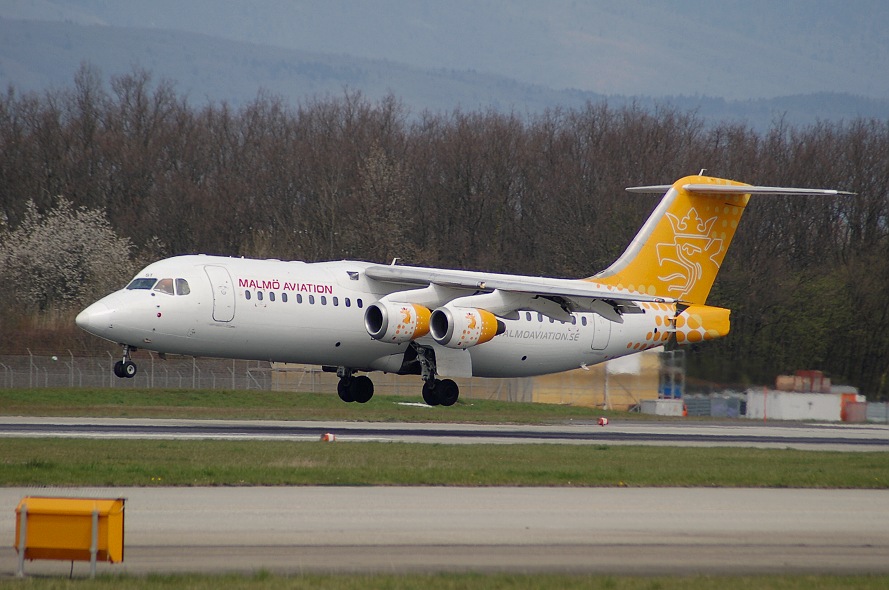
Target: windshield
142, 284
165, 286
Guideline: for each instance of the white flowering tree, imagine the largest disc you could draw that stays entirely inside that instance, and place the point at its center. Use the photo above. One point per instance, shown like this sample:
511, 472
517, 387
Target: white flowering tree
62, 258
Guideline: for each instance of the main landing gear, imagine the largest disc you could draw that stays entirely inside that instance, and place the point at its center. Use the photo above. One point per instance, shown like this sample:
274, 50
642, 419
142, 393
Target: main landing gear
125, 368
436, 392
440, 392
354, 389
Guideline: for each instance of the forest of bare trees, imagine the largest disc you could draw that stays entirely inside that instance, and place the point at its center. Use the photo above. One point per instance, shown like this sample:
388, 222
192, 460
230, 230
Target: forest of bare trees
807, 278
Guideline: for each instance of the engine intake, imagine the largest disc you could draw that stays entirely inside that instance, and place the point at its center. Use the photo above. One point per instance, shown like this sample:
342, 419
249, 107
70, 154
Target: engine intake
462, 327
396, 322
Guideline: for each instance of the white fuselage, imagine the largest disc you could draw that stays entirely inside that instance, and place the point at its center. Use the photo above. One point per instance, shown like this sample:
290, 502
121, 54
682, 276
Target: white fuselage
313, 313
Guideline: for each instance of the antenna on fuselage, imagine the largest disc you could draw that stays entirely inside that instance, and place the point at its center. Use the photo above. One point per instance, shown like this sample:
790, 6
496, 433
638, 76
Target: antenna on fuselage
394, 260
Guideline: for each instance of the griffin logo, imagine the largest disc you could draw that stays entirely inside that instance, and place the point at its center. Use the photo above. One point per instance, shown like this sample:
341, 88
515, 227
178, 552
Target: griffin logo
693, 252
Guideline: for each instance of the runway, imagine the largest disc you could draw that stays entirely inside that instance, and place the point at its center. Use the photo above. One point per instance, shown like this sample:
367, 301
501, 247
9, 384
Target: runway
827, 437
410, 529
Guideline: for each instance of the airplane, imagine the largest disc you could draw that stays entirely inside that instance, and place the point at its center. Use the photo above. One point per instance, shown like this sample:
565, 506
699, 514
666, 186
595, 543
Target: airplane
359, 317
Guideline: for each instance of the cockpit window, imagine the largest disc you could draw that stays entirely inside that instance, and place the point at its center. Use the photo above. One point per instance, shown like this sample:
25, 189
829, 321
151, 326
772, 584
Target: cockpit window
164, 286
182, 287
141, 284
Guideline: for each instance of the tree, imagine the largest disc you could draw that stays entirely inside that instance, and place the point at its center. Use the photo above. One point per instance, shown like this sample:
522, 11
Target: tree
62, 258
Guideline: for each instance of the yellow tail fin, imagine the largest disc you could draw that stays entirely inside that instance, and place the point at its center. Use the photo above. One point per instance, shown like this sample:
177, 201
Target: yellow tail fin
679, 250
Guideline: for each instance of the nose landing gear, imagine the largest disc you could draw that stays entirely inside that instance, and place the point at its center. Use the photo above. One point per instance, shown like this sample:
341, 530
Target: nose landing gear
125, 368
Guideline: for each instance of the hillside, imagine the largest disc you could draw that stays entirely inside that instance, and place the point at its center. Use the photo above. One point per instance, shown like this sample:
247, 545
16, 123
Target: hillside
35, 56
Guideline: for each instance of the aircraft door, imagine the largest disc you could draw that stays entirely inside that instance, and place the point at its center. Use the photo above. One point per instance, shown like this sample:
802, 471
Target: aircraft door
601, 332
223, 293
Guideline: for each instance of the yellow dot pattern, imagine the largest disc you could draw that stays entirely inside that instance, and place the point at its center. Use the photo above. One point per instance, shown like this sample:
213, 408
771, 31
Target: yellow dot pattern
697, 323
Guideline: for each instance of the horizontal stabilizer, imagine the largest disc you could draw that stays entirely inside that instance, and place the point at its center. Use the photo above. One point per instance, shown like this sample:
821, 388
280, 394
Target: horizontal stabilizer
656, 189
732, 189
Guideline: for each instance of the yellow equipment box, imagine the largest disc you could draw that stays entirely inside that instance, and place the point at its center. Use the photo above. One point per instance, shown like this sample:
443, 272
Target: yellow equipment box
70, 529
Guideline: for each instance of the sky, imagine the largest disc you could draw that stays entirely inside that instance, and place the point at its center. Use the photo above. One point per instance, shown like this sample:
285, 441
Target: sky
731, 49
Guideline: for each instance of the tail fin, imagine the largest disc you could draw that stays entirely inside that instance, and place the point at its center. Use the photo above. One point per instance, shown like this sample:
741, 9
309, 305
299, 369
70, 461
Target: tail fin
679, 250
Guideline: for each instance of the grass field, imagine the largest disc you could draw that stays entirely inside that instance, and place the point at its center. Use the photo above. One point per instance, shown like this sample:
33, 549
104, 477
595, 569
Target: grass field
273, 405
77, 462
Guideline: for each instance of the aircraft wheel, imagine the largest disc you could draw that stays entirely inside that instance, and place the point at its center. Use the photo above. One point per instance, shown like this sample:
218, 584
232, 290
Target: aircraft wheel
129, 369
345, 391
430, 392
362, 389
448, 392
118, 370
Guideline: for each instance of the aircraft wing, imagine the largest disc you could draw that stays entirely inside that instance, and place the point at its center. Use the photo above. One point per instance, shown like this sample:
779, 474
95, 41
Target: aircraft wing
521, 292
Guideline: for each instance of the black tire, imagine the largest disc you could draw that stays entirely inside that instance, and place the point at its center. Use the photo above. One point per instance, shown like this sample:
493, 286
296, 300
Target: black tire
362, 389
129, 369
344, 390
448, 392
118, 370
430, 392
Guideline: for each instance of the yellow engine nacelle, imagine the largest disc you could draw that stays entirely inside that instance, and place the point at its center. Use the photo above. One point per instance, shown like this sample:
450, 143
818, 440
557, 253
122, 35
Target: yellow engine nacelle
396, 322
462, 327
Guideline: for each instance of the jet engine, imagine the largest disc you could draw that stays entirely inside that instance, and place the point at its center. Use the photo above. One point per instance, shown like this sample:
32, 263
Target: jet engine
396, 322
462, 327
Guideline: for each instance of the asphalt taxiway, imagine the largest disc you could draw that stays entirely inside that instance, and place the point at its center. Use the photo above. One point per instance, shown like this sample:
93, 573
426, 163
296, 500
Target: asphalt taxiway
413, 529
828, 437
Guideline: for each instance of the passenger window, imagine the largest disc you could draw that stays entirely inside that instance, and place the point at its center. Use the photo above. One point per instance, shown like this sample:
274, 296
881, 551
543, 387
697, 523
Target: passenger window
182, 287
299, 298
348, 302
336, 301
573, 321
323, 300
272, 296
259, 295
283, 297
528, 315
311, 300
360, 304
247, 295
164, 286
141, 284
583, 320
540, 317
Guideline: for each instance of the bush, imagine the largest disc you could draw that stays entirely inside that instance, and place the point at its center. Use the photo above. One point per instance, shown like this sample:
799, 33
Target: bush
63, 258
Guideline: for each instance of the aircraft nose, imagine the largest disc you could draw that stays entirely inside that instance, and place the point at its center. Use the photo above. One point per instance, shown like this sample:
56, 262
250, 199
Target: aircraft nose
95, 318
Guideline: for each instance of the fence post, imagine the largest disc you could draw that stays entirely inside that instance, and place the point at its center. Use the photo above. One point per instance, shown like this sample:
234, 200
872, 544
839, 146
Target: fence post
31, 368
